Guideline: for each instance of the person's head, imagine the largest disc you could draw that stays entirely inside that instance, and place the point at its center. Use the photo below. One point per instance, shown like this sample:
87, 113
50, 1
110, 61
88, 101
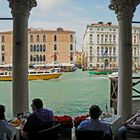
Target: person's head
2, 112
95, 112
36, 104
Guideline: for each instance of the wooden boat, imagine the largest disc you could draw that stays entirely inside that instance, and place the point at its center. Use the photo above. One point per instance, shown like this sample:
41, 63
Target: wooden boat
32, 75
100, 72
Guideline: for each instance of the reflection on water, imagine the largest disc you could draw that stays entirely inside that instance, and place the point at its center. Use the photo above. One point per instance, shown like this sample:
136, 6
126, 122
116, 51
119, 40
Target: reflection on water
70, 94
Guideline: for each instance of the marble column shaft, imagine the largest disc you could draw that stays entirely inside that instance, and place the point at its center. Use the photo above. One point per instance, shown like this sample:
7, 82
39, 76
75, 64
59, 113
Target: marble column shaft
124, 10
20, 12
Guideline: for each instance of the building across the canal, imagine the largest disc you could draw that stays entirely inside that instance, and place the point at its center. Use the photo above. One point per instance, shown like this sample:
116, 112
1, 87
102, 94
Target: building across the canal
79, 59
46, 48
101, 44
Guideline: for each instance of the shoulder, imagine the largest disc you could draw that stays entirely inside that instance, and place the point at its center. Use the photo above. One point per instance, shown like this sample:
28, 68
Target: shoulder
47, 110
84, 123
4, 122
32, 116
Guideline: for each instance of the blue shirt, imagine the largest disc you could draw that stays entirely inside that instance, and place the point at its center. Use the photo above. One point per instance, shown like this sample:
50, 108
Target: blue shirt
90, 124
5, 130
39, 119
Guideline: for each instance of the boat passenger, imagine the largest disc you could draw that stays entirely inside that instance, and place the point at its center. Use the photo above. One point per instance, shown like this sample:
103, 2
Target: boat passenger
93, 123
41, 118
5, 128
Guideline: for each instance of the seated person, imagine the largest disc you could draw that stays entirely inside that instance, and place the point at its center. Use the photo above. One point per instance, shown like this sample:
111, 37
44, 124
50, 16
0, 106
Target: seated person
5, 129
41, 118
131, 124
94, 123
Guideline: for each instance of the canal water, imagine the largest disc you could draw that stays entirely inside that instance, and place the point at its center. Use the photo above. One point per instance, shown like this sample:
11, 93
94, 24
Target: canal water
70, 94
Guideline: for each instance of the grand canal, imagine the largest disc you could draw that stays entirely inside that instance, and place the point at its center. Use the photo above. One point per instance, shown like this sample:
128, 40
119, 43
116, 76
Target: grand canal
70, 94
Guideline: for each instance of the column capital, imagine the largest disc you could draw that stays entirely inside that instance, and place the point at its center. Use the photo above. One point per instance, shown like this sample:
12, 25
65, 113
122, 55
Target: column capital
124, 8
22, 7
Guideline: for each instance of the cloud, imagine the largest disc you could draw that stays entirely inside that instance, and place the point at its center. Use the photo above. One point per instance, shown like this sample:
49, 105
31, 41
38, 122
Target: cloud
65, 14
46, 6
99, 7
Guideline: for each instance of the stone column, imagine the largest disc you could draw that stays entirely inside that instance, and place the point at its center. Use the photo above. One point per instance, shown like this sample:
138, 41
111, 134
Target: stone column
20, 12
124, 10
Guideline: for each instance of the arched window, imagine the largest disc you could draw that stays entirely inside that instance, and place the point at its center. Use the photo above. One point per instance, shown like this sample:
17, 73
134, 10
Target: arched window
90, 38
55, 47
3, 39
110, 38
3, 58
44, 58
34, 48
55, 38
3, 48
90, 50
55, 57
71, 47
114, 38
71, 38
102, 50
102, 38
106, 63
37, 57
106, 38
44, 48
44, 38
31, 48
98, 38
38, 38
31, 38
71, 56
40, 57
110, 50
114, 50
98, 51
135, 51
134, 39
34, 58
31, 58
40, 48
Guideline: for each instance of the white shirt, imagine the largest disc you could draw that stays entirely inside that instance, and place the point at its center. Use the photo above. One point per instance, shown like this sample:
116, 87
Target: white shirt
5, 130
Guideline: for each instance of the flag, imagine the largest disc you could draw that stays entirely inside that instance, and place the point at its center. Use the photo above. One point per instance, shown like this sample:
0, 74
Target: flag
106, 51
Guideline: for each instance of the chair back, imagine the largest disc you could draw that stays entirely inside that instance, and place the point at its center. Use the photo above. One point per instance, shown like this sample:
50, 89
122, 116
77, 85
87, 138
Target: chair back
89, 134
48, 134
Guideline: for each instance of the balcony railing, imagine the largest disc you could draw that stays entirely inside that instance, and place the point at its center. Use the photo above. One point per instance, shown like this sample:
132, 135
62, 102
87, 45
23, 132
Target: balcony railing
114, 91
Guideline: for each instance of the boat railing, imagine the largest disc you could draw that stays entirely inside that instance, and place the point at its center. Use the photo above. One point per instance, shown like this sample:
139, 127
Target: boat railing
5, 73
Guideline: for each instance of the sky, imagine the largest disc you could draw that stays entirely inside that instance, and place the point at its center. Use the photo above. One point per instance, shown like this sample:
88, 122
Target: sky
72, 15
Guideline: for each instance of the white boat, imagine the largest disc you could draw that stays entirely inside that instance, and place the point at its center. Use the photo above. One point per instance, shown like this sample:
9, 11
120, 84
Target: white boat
113, 75
32, 75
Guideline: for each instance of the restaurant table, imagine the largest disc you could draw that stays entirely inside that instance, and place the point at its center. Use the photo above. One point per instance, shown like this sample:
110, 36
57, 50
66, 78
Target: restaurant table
114, 122
16, 132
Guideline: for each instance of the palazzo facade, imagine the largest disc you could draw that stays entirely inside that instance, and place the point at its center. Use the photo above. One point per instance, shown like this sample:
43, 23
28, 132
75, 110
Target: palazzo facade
101, 44
45, 48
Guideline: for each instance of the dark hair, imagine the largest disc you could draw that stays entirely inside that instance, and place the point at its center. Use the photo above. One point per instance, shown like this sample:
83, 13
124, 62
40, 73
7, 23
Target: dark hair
95, 111
2, 111
38, 103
